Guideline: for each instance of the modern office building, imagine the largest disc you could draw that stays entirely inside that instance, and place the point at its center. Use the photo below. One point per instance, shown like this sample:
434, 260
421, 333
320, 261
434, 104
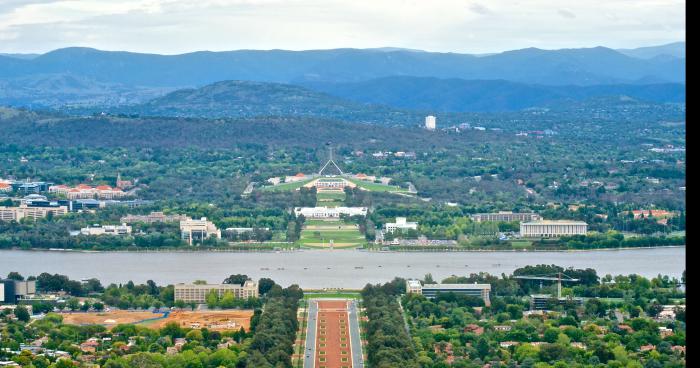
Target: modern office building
430, 122
12, 290
401, 224
329, 212
552, 228
97, 230
192, 230
197, 293
24, 211
505, 216
154, 217
482, 291
547, 301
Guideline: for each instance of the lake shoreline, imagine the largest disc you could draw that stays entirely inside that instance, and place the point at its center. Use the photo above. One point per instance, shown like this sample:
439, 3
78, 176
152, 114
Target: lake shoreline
295, 250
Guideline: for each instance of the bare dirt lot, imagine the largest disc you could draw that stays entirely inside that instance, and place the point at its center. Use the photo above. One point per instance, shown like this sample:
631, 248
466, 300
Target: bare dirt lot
214, 320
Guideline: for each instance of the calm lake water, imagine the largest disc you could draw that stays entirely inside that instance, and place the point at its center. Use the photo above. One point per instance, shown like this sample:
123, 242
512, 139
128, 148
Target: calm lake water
327, 268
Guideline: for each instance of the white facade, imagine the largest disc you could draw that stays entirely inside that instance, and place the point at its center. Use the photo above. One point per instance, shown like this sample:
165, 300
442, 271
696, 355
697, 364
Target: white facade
430, 122
552, 228
18, 213
329, 212
200, 229
400, 224
198, 293
122, 229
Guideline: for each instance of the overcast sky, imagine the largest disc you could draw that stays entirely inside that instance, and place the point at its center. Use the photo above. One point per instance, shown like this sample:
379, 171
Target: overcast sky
467, 26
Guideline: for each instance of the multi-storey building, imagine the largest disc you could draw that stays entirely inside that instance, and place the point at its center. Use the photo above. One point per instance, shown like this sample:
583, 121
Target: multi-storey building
192, 229
482, 291
552, 228
197, 293
122, 229
401, 224
506, 216
154, 217
329, 212
23, 211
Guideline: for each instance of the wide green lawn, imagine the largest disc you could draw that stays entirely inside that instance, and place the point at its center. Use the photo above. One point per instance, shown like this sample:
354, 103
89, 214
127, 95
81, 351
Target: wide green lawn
376, 187
285, 186
332, 295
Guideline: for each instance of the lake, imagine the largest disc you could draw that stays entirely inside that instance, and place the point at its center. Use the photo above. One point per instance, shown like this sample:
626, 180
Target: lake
327, 268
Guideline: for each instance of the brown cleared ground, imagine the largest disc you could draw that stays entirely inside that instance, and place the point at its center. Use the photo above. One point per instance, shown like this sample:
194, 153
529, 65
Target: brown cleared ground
108, 319
213, 320
220, 320
333, 335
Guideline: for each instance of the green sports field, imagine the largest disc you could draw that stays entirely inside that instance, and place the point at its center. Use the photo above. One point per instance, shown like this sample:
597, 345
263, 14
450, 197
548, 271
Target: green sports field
318, 234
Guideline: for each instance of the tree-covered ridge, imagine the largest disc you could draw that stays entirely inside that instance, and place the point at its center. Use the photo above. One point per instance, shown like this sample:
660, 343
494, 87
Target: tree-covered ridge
388, 342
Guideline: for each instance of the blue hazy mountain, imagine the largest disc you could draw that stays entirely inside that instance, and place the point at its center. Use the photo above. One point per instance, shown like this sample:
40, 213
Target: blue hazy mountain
671, 50
585, 66
459, 95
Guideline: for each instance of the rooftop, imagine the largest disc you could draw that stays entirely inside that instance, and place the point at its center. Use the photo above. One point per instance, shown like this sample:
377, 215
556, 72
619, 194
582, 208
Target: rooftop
555, 222
457, 286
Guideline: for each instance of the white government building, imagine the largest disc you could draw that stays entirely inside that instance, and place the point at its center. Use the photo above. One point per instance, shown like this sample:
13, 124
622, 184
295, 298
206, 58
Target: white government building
192, 229
430, 122
552, 228
329, 212
400, 224
198, 292
97, 230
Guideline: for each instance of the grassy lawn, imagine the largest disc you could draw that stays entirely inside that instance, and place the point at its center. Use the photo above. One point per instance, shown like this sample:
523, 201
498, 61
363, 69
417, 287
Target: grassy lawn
330, 199
521, 244
376, 187
285, 186
319, 233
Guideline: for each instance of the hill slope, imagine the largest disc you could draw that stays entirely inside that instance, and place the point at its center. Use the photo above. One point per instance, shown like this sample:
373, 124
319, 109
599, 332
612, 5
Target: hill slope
556, 67
458, 95
244, 99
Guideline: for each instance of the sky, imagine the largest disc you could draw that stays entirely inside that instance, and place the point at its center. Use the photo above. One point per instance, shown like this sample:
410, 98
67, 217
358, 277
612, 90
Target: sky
464, 26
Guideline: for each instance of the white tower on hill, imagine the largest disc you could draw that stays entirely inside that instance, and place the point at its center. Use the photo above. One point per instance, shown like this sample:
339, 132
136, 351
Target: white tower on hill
430, 122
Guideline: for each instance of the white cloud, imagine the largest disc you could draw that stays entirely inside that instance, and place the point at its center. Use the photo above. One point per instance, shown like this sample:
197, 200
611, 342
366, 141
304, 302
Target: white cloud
175, 26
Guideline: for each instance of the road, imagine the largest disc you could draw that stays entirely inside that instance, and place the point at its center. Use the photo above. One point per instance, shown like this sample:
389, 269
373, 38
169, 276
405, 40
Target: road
355, 338
311, 334
310, 345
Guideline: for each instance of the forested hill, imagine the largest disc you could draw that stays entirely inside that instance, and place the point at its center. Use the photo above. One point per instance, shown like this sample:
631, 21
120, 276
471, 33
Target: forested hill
244, 99
459, 95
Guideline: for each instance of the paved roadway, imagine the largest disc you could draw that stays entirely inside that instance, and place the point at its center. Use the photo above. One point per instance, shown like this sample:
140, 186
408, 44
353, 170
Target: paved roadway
355, 338
310, 345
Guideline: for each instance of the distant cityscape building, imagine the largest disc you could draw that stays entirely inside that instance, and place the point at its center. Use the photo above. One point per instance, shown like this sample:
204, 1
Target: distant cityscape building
201, 229
430, 122
84, 191
198, 293
400, 224
482, 291
13, 290
329, 212
34, 213
154, 217
552, 228
98, 230
505, 216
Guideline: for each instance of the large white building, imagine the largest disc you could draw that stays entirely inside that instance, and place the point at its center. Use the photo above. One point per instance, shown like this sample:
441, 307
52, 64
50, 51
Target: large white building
201, 229
329, 212
430, 122
506, 216
122, 229
198, 292
482, 291
400, 224
23, 211
552, 228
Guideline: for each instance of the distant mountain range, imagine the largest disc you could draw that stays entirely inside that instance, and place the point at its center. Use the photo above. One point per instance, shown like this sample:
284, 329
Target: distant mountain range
87, 77
391, 100
459, 95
